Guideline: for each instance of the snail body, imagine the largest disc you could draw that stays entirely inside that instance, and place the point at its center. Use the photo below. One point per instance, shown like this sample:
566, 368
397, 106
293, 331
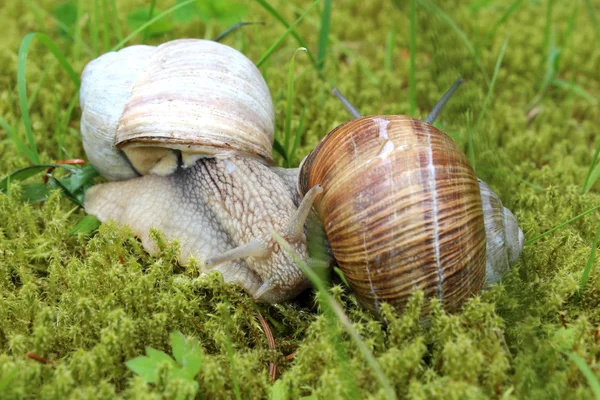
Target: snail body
222, 211
186, 131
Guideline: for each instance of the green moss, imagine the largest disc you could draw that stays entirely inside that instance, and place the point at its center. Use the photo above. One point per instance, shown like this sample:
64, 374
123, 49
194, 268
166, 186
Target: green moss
88, 304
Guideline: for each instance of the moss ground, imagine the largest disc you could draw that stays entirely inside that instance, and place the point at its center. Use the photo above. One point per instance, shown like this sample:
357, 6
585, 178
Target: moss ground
88, 304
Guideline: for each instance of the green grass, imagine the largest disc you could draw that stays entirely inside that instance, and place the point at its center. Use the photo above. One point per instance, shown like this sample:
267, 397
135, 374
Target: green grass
86, 298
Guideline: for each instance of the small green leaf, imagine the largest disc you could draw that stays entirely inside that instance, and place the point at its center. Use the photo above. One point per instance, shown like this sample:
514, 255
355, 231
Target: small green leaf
6, 379
184, 14
80, 177
139, 17
159, 356
277, 391
144, 367
225, 12
178, 346
192, 361
87, 225
67, 14
36, 192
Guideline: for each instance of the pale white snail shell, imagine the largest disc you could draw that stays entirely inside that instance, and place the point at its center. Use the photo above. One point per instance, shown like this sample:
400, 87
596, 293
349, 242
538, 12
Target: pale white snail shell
196, 96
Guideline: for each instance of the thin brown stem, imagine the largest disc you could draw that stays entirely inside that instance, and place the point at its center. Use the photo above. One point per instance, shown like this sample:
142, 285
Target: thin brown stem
270, 342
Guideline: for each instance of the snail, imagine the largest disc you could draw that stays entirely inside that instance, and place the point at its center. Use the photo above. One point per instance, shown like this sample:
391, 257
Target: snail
186, 128
185, 131
403, 209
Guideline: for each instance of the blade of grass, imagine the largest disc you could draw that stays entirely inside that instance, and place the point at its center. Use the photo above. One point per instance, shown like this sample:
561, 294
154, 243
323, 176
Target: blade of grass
116, 21
593, 174
87, 225
587, 372
583, 214
470, 144
150, 22
38, 86
94, 30
76, 38
592, 14
547, 32
279, 18
22, 82
511, 9
299, 133
106, 24
510, 174
226, 319
279, 149
590, 263
289, 103
324, 34
65, 191
339, 46
488, 96
17, 142
550, 73
390, 44
37, 11
150, 12
329, 303
51, 46
412, 49
462, 36
30, 171
285, 34
63, 125
578, 90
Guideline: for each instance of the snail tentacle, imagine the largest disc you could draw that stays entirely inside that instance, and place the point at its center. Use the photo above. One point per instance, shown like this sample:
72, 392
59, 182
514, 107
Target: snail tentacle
256, 248
295, 227
437, 109
347, 105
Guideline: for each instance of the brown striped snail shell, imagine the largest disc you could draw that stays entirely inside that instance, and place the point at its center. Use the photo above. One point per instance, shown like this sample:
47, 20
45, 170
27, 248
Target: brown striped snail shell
402, 209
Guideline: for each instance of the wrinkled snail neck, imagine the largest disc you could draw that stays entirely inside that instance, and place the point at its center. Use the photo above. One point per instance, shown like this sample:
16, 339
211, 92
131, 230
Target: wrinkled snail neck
430, 118
259, 247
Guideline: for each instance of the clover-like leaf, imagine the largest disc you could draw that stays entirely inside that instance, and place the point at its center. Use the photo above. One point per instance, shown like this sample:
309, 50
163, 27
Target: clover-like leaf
225, 12
159, 356
144, 367
179, 346
140, 16
184, 14
192, 360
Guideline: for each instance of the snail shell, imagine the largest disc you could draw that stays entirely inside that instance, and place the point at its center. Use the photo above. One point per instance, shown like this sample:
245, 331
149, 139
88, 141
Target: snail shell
143, 104
402, 209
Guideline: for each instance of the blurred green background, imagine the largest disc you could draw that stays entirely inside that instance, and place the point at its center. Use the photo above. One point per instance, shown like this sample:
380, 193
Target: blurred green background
75, 308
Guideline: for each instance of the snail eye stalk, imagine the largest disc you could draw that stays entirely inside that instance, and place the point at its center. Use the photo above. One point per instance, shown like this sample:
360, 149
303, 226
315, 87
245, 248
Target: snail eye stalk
349, 107
440, 104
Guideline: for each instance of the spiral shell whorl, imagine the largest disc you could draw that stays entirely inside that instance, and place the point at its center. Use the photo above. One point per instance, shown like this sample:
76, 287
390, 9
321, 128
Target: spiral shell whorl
503, 235
196, 96
102, 105
401, 208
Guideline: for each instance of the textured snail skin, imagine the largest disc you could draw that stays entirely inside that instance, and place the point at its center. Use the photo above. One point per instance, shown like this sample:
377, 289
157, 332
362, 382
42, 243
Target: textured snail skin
210, 208
401, 208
